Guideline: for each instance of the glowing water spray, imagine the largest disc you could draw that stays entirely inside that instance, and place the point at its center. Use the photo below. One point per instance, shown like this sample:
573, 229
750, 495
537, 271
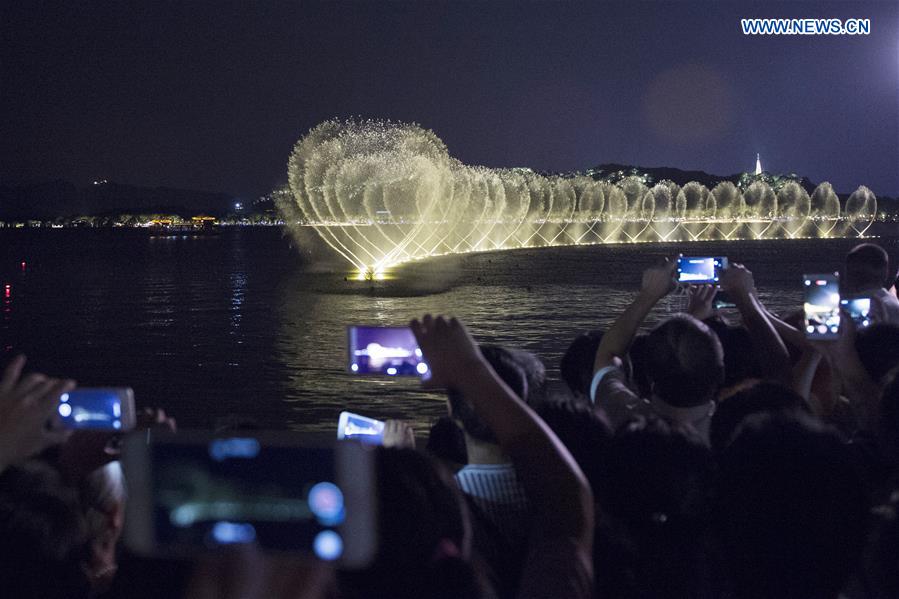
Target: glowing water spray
382, 193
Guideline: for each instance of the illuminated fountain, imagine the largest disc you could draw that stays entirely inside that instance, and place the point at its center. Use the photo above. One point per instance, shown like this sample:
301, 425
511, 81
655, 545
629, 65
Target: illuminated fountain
382, 193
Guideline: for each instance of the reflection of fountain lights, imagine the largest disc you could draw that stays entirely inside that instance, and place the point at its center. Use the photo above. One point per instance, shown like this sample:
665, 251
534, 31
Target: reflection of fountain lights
382, 194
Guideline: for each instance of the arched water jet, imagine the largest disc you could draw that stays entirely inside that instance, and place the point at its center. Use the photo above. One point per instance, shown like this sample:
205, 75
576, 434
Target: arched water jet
381, 194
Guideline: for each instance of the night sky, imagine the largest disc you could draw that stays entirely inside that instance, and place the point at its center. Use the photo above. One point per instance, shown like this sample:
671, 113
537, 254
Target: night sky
213, 96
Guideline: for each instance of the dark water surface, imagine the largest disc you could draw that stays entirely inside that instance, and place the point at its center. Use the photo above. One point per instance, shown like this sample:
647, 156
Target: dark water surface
238, 326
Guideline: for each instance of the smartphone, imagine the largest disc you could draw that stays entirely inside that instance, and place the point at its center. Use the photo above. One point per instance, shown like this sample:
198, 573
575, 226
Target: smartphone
859, 309
722, 300
360, 428
390, 351
822, 306
191, 492
700, 270
97, 408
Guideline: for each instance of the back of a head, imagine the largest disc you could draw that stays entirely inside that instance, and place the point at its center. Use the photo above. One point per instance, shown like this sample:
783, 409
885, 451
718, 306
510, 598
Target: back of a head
446, 441
761, 397
685, 361
655, 486
889, 418
423, 532
43, 542
576, 365
878, 348
791, 510
581, 430
740, 361
508, 365
655, 472
867, 267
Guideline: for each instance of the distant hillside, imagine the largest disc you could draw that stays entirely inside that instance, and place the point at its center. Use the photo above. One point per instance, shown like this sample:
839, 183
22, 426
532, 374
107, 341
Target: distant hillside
682, 177
47, 200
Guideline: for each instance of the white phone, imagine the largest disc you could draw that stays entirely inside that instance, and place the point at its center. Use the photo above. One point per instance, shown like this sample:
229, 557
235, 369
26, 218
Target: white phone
360, 428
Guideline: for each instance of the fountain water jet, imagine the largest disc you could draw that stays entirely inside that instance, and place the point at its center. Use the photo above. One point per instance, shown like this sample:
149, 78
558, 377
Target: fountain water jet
381, 193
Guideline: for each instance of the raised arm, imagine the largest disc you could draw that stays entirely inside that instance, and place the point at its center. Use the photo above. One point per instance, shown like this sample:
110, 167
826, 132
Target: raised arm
773, 355
26, 404
557, 491
857, 384
657, 282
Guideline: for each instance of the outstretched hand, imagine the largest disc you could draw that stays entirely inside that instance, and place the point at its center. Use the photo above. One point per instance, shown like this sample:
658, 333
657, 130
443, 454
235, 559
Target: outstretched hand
700, 305
398, 434
737, 280
26, 405
448, 348
659, 280
841, 350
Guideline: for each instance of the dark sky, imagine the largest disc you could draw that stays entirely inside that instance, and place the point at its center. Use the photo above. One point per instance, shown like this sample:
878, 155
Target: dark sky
213, 95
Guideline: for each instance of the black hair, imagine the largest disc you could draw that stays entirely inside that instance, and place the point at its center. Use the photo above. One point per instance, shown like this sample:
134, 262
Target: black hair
760, 397
446, 441
791, 509
43, 538
878, 349
423, 532
581, 430
740, 359
867, 267
576, 365
684, 361
655, 495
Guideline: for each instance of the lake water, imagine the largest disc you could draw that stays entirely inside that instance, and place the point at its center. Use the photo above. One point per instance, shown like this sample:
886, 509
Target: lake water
240, 326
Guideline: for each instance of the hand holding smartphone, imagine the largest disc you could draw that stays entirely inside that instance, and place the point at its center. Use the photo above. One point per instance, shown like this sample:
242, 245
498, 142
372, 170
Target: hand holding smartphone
360, 428
109, 409
191, 492
702, 270
821, 306
389, 351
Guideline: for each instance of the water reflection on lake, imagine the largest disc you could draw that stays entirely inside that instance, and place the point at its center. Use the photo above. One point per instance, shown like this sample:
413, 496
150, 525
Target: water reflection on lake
237, 326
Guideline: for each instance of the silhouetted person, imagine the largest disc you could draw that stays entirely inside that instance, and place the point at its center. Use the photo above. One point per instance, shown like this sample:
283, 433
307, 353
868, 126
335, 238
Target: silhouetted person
867, 273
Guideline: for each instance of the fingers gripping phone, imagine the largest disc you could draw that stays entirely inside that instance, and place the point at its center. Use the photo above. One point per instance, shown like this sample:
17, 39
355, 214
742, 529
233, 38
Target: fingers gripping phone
97, 408
360, 428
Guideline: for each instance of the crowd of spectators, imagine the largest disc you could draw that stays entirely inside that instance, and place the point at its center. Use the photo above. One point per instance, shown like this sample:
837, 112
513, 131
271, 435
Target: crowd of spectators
714, 456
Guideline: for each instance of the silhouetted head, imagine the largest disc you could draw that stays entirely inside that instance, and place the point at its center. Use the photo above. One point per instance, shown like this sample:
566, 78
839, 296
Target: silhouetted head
635, 366
510, 366
534, 374
684, 361
889, 417
655, 486
576, 365
867, 267
790, 512
757, 398
878, 349
43, 542
446, 441
740, 360
424, 534
102, 497
581, 430
882, 567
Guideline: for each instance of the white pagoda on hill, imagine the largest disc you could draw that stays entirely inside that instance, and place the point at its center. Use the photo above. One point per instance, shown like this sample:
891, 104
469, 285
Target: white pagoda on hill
758, 165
